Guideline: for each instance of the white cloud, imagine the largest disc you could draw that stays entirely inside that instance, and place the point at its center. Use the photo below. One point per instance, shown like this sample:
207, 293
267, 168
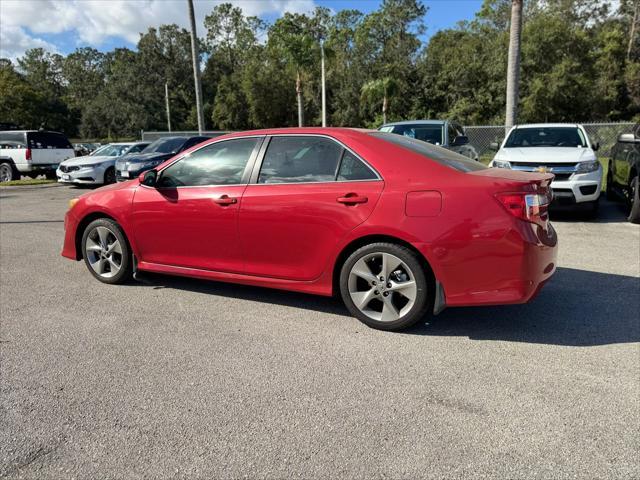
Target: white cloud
14, 41
92, 22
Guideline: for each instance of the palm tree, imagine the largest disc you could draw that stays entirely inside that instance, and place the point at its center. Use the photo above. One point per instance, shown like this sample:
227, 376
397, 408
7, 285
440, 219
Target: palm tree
380, 90
513, 67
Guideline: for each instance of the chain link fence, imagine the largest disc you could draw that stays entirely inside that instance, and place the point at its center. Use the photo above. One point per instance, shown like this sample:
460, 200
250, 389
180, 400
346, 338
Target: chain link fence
606, 134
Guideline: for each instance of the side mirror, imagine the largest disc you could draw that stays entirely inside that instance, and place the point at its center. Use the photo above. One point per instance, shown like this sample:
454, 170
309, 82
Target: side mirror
494, 146
595, 147
148, 178
460, 140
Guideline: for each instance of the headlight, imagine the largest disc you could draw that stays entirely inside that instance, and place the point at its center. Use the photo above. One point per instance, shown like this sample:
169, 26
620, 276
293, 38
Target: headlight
501, 164
586, 167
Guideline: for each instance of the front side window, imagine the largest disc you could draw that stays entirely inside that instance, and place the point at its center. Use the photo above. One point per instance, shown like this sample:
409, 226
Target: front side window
300, 159
546, 137
12, 140
221, 163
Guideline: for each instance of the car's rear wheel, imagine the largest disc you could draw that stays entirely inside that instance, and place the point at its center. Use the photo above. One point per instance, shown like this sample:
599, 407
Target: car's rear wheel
8, 172
106, 252
384, 285
634, 199
110, 176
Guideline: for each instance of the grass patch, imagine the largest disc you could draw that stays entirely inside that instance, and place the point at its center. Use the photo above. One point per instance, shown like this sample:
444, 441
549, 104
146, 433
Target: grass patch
27, 181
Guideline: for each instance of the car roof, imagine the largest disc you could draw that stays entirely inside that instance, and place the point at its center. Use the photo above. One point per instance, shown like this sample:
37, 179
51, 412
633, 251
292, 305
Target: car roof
552, 125
30, 131
417, 122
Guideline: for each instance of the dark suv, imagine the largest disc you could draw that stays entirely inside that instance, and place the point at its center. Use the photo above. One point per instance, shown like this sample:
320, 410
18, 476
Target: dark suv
130, 166
624, 173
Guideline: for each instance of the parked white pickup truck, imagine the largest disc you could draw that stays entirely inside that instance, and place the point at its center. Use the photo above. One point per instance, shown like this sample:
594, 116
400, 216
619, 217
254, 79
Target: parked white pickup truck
562, 149
32, 153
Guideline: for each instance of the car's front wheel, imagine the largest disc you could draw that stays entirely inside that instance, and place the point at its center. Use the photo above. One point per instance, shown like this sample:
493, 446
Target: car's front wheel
110, 176
106, 252
384, 285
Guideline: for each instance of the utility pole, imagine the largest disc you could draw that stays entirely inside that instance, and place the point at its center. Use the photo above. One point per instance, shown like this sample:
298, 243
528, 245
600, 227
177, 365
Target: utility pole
324, 89
513, 67
635, 21
166, 100
196, 67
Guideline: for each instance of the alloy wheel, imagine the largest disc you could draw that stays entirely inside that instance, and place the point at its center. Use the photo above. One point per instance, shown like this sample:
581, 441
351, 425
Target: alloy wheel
6, 172
382, 286
104, 252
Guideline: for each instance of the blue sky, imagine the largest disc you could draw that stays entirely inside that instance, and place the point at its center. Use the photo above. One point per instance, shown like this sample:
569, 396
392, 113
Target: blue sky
64, 25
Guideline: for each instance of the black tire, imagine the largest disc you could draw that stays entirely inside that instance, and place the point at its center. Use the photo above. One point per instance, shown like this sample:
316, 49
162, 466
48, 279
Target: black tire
8, 172
634, 194
424, 295
110, 176
126, 265
611, 195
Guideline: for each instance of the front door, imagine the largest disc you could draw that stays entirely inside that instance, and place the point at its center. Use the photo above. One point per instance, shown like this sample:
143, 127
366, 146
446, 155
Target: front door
309, 194
190, 218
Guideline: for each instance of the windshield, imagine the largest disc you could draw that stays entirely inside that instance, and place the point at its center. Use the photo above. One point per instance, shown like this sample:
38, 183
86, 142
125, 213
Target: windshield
111, 150
546, 137
438, 154
426, 133
165, 145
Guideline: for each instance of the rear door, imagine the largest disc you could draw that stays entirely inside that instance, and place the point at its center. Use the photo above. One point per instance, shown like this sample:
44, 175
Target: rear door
48, 147
308, 194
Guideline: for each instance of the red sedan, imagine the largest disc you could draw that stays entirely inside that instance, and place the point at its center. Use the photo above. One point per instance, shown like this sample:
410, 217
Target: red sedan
399, 227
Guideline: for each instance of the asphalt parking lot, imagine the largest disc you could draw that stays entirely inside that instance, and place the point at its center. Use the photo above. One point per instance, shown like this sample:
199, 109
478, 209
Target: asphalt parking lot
175, 377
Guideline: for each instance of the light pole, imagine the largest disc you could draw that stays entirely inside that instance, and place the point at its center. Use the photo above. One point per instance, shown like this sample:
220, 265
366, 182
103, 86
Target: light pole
324, 89
196, 67
166, 100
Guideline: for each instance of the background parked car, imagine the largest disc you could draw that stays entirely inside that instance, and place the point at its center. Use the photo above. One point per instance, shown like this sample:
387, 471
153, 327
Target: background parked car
445, 133
32, 153
623, 181
99, 167
152, 156
562, 149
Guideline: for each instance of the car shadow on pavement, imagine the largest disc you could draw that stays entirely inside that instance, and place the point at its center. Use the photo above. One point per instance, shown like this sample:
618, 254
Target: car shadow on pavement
609, 212
576, 308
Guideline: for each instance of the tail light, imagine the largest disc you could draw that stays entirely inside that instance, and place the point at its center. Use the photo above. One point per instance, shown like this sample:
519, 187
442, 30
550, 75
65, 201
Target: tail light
527, 206
27, 154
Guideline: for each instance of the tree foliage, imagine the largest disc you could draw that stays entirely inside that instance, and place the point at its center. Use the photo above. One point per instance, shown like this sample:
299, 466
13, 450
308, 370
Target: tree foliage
580, 62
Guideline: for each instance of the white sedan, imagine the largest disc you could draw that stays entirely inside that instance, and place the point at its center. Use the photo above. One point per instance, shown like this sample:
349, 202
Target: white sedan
99, 167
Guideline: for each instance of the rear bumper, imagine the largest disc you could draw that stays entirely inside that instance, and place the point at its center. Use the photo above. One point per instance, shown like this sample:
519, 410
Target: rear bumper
526, 261
36, 167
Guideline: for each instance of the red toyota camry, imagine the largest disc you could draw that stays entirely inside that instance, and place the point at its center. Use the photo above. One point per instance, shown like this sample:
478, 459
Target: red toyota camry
399, 227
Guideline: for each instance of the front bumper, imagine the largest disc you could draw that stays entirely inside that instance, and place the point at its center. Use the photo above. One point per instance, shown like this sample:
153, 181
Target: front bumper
88, 176
579, 188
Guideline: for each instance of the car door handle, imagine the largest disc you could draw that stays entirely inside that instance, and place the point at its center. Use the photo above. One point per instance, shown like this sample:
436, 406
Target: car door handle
352, 199
225, 200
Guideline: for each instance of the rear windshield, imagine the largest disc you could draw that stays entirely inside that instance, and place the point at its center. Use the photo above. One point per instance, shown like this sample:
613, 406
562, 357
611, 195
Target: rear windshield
165, 145
47, 140
546, 137
438, 154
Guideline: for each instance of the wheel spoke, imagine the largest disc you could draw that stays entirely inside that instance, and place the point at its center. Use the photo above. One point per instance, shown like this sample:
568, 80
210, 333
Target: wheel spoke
92, 246
362, 299
389, 264
114, 248
98, 265
407, 289
114, 266
103, 234
362, 270
389, 311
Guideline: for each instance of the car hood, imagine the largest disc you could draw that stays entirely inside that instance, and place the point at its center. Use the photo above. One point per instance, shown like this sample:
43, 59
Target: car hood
146, 157
87, 160
545, 154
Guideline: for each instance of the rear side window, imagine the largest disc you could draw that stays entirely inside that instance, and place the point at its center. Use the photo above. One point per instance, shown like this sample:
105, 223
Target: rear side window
300, 159
47, 140
438, 154
12, 140
352, 168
